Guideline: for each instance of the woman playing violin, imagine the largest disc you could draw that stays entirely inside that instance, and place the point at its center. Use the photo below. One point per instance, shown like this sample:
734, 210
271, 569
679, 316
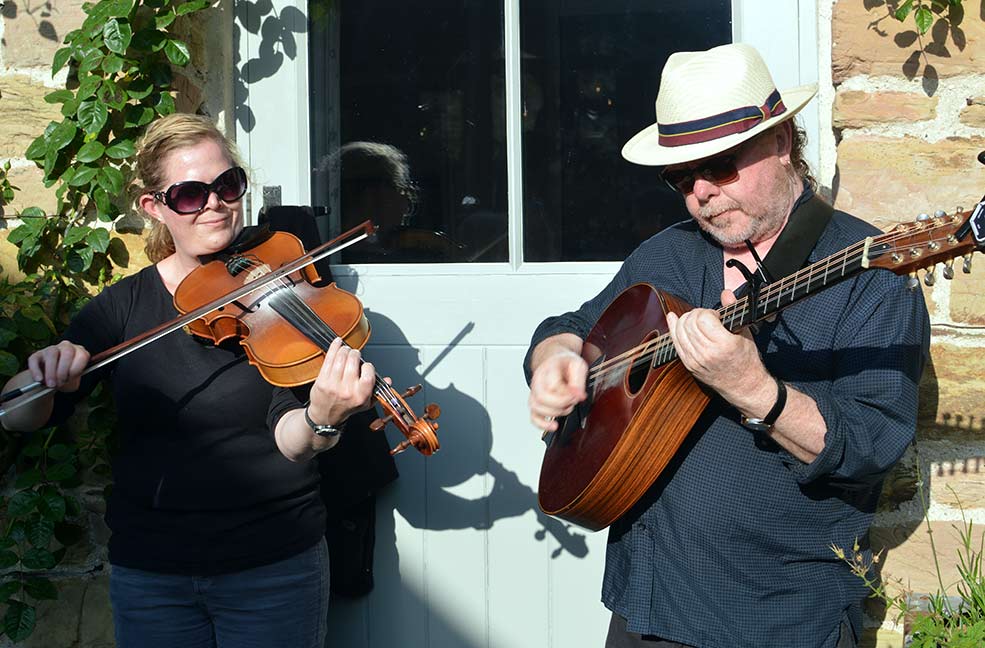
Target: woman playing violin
217, 525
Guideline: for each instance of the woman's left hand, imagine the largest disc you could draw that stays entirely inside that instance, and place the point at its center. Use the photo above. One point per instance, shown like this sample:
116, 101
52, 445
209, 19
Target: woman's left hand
343, 387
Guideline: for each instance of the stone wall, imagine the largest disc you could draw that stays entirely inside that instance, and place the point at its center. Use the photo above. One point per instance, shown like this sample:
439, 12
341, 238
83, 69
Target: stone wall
30, 33
908, 125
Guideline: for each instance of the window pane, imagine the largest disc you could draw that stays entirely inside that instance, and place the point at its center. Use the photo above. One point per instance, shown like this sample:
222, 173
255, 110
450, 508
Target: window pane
408, 124
590, 76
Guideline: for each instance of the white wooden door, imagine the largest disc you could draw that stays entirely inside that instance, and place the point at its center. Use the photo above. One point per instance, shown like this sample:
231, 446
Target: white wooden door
464, 558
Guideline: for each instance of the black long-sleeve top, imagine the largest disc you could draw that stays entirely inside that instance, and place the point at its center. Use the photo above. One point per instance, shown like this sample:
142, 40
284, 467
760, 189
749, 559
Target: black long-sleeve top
200, 486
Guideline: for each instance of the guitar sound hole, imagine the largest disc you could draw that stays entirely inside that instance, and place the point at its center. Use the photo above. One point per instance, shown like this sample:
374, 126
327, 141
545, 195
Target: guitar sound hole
638, 372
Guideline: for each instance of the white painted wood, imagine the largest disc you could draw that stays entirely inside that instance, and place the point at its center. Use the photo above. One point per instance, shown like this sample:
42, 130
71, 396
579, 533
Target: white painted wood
464, 559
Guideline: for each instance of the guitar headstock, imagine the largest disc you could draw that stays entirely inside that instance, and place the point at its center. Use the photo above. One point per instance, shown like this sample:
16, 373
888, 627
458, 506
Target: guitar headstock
921, 245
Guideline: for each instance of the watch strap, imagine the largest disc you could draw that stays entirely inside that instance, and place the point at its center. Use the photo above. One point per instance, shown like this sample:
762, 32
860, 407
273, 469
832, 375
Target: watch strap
766, 423
322, 429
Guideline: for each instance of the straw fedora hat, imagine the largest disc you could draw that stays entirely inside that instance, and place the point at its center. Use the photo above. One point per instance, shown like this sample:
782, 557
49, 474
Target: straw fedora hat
709, 102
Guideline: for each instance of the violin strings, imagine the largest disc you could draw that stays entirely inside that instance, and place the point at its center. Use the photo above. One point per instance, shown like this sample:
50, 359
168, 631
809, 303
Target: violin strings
316, 329
661, 348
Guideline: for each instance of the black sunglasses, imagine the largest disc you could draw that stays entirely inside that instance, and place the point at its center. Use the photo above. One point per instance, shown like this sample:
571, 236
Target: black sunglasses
720, 169
191, 196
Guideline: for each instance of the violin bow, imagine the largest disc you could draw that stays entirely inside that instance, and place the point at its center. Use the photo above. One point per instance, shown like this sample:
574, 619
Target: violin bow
36, 389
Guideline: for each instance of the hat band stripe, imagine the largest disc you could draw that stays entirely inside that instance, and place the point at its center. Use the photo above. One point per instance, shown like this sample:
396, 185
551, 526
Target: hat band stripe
721, 125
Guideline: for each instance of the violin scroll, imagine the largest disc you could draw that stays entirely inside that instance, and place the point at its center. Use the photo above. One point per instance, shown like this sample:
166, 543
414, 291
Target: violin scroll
419, 432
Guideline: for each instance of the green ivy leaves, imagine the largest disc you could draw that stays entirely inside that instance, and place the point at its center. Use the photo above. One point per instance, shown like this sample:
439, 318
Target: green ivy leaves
120, 73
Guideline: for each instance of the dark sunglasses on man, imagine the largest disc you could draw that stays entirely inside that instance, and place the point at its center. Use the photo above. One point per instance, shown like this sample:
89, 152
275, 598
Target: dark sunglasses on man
720, 170
190, 196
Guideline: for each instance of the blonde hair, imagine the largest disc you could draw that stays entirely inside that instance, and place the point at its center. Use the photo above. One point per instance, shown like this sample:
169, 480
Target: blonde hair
162, 138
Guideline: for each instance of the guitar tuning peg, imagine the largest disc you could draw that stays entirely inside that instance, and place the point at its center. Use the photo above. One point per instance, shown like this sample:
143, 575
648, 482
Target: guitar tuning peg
923, 217
913, 282
966, 266
958, 209
948, 270
939, 213
930, 278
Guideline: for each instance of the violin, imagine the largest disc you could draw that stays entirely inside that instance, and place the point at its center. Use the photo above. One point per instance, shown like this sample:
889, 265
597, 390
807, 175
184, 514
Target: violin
287, 325
262, 295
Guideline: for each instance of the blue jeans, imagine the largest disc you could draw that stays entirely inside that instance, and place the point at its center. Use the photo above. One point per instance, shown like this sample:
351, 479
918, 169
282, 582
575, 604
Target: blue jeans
280, 605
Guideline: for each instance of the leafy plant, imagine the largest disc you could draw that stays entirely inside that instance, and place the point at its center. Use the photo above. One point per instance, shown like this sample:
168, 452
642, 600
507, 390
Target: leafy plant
937, 620
6, 188
923, 12
120, 77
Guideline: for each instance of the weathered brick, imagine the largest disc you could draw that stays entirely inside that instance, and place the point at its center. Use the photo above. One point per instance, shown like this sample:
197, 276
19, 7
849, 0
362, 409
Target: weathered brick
950, 393
856, 109
967, 296
908, 555
8, 259
31, 191
889, 180
868, 40
973, 115
25, 115
960, 482
96, 624
34, 30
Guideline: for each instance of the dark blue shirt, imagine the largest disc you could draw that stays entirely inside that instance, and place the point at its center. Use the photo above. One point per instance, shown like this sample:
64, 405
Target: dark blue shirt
732, 546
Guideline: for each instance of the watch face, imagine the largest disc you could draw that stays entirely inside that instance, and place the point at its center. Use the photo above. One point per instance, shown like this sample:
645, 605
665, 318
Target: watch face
757, 425
326, 430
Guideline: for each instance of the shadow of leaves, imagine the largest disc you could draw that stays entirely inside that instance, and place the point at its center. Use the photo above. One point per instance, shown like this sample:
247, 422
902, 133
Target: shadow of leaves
931, 80
277, 43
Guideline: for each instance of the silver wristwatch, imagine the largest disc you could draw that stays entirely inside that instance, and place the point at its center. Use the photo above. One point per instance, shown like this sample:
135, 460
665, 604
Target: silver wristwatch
323, 430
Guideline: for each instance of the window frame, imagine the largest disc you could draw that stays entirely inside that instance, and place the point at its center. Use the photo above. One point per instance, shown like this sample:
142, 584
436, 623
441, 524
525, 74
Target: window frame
790, 26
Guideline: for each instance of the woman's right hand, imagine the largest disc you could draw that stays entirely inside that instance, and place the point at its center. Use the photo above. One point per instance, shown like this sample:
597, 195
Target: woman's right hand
59, 366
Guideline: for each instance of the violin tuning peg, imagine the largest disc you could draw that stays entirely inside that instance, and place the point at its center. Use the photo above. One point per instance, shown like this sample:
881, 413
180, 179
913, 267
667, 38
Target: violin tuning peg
431, 412
948, 270
411, 391
930, 278
913, 282
966, 265
380, 423
403, 445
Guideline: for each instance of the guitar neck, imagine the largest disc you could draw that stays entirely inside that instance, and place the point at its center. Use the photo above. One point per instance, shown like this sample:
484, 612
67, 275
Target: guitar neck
904, 250
776, 296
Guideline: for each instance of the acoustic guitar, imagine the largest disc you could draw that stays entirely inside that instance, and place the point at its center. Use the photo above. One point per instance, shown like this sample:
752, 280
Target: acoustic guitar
642, 402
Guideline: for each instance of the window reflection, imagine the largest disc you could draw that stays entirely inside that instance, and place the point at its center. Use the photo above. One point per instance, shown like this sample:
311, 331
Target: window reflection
418, 123
414, 94
590, 76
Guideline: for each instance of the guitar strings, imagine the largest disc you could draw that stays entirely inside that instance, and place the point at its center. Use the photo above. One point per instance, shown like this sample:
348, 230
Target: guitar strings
661, 348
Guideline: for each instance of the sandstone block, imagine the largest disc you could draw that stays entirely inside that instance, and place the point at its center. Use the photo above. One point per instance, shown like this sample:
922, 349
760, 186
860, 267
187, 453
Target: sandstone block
959, 483
96, 625
908, 556
973, 115
8, 259
888, 180
33, 31
25, 114
57, 622
950, 394
868, 40
31, 191
856, 109
967, 296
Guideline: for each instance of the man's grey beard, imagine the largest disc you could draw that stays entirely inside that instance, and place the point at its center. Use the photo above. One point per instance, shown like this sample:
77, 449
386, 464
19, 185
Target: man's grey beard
757, 229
